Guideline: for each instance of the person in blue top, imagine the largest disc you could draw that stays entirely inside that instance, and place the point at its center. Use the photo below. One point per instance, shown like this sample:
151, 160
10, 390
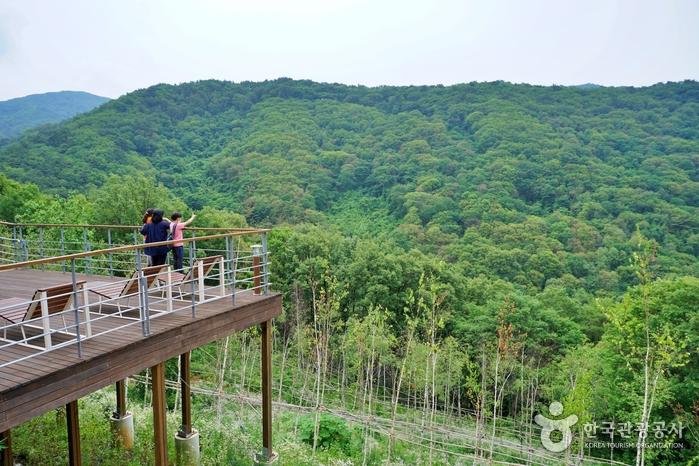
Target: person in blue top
156, 231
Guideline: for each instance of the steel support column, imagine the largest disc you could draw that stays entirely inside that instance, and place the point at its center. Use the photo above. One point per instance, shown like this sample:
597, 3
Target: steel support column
268, 454
159, 411
186, 427
120, 399
74, 457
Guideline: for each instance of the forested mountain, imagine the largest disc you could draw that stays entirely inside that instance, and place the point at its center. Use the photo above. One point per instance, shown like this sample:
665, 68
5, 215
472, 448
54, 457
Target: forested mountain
556, 222
524, 182
22, 113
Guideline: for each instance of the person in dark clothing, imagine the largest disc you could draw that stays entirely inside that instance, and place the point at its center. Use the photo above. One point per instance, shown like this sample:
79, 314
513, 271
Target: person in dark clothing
147, 218
156, 231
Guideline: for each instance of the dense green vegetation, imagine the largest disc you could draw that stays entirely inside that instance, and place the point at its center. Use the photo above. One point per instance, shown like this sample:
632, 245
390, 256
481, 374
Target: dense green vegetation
23, 113
503, 245
525, 183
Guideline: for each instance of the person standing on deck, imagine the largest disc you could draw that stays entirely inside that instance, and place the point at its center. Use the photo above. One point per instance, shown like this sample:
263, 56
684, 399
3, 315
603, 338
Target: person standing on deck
155, 232
176, 230
147, 218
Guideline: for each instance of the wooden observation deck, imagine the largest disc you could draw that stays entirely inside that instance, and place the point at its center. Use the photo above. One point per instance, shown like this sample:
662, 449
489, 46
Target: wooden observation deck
80, 321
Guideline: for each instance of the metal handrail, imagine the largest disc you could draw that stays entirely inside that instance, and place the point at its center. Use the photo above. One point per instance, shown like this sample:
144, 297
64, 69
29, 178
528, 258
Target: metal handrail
79, 336
123, 227
95, 317
240, 270
132, 247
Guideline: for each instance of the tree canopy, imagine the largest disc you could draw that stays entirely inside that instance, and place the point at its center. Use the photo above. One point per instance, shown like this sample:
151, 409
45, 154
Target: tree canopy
490, 222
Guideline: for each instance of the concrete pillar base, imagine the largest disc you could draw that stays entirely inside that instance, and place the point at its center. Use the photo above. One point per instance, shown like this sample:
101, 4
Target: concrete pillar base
122, 430
187, 449
265, 458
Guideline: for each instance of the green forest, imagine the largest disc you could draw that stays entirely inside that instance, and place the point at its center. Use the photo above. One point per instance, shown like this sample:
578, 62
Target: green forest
449, 256
22, 113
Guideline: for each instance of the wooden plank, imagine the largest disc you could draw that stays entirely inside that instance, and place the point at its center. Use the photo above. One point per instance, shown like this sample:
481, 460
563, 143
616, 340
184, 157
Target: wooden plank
13, 309
23, 283
26, 396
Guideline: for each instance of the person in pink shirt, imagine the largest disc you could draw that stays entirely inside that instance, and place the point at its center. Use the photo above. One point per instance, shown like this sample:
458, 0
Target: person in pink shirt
177, 227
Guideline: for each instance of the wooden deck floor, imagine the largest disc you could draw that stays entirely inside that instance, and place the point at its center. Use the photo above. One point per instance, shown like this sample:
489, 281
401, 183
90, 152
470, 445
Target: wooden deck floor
32, 387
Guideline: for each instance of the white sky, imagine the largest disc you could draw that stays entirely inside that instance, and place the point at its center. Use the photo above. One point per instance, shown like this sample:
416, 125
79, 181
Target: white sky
113, 47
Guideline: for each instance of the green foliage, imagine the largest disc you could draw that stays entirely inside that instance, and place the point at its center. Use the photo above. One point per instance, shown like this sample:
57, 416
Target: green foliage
14, 196
212, 217
404, 218
332, 433
673, 324
122, 200
528, 184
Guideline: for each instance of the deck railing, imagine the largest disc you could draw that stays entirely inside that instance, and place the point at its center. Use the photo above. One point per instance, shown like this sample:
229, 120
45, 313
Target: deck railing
21, 242
112, 288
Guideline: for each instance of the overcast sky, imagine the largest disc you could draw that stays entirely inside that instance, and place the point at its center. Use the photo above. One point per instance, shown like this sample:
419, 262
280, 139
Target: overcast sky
113, 47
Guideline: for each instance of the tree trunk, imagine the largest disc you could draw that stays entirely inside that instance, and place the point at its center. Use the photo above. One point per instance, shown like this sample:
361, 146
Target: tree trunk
495, 403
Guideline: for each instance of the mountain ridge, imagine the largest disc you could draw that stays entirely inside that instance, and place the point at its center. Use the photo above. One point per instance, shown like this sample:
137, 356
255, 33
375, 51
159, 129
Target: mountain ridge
22, 113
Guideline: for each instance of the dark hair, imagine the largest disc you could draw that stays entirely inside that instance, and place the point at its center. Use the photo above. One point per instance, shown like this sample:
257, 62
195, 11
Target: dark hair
157, 216
175, 216
149, 213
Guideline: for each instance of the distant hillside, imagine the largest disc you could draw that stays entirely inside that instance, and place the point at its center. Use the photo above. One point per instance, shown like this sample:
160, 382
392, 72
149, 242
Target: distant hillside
17, 115
438, 161
587, 86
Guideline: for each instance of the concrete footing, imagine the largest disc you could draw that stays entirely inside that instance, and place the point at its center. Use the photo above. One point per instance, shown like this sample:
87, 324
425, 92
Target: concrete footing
122, 430
265, 457
187, 449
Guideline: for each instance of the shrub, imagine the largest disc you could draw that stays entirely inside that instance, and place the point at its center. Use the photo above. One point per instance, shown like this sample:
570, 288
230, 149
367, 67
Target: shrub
332, 432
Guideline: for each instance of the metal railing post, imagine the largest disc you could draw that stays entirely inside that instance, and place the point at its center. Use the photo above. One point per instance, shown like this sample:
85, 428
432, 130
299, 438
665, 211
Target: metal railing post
41, 246
191, 268
194, 243
63, 248
76, 314
23, 245
146, 305
109, 258
86, 248
142, 299
14, 243
265, 264
229, 258
232, 264
235, 270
